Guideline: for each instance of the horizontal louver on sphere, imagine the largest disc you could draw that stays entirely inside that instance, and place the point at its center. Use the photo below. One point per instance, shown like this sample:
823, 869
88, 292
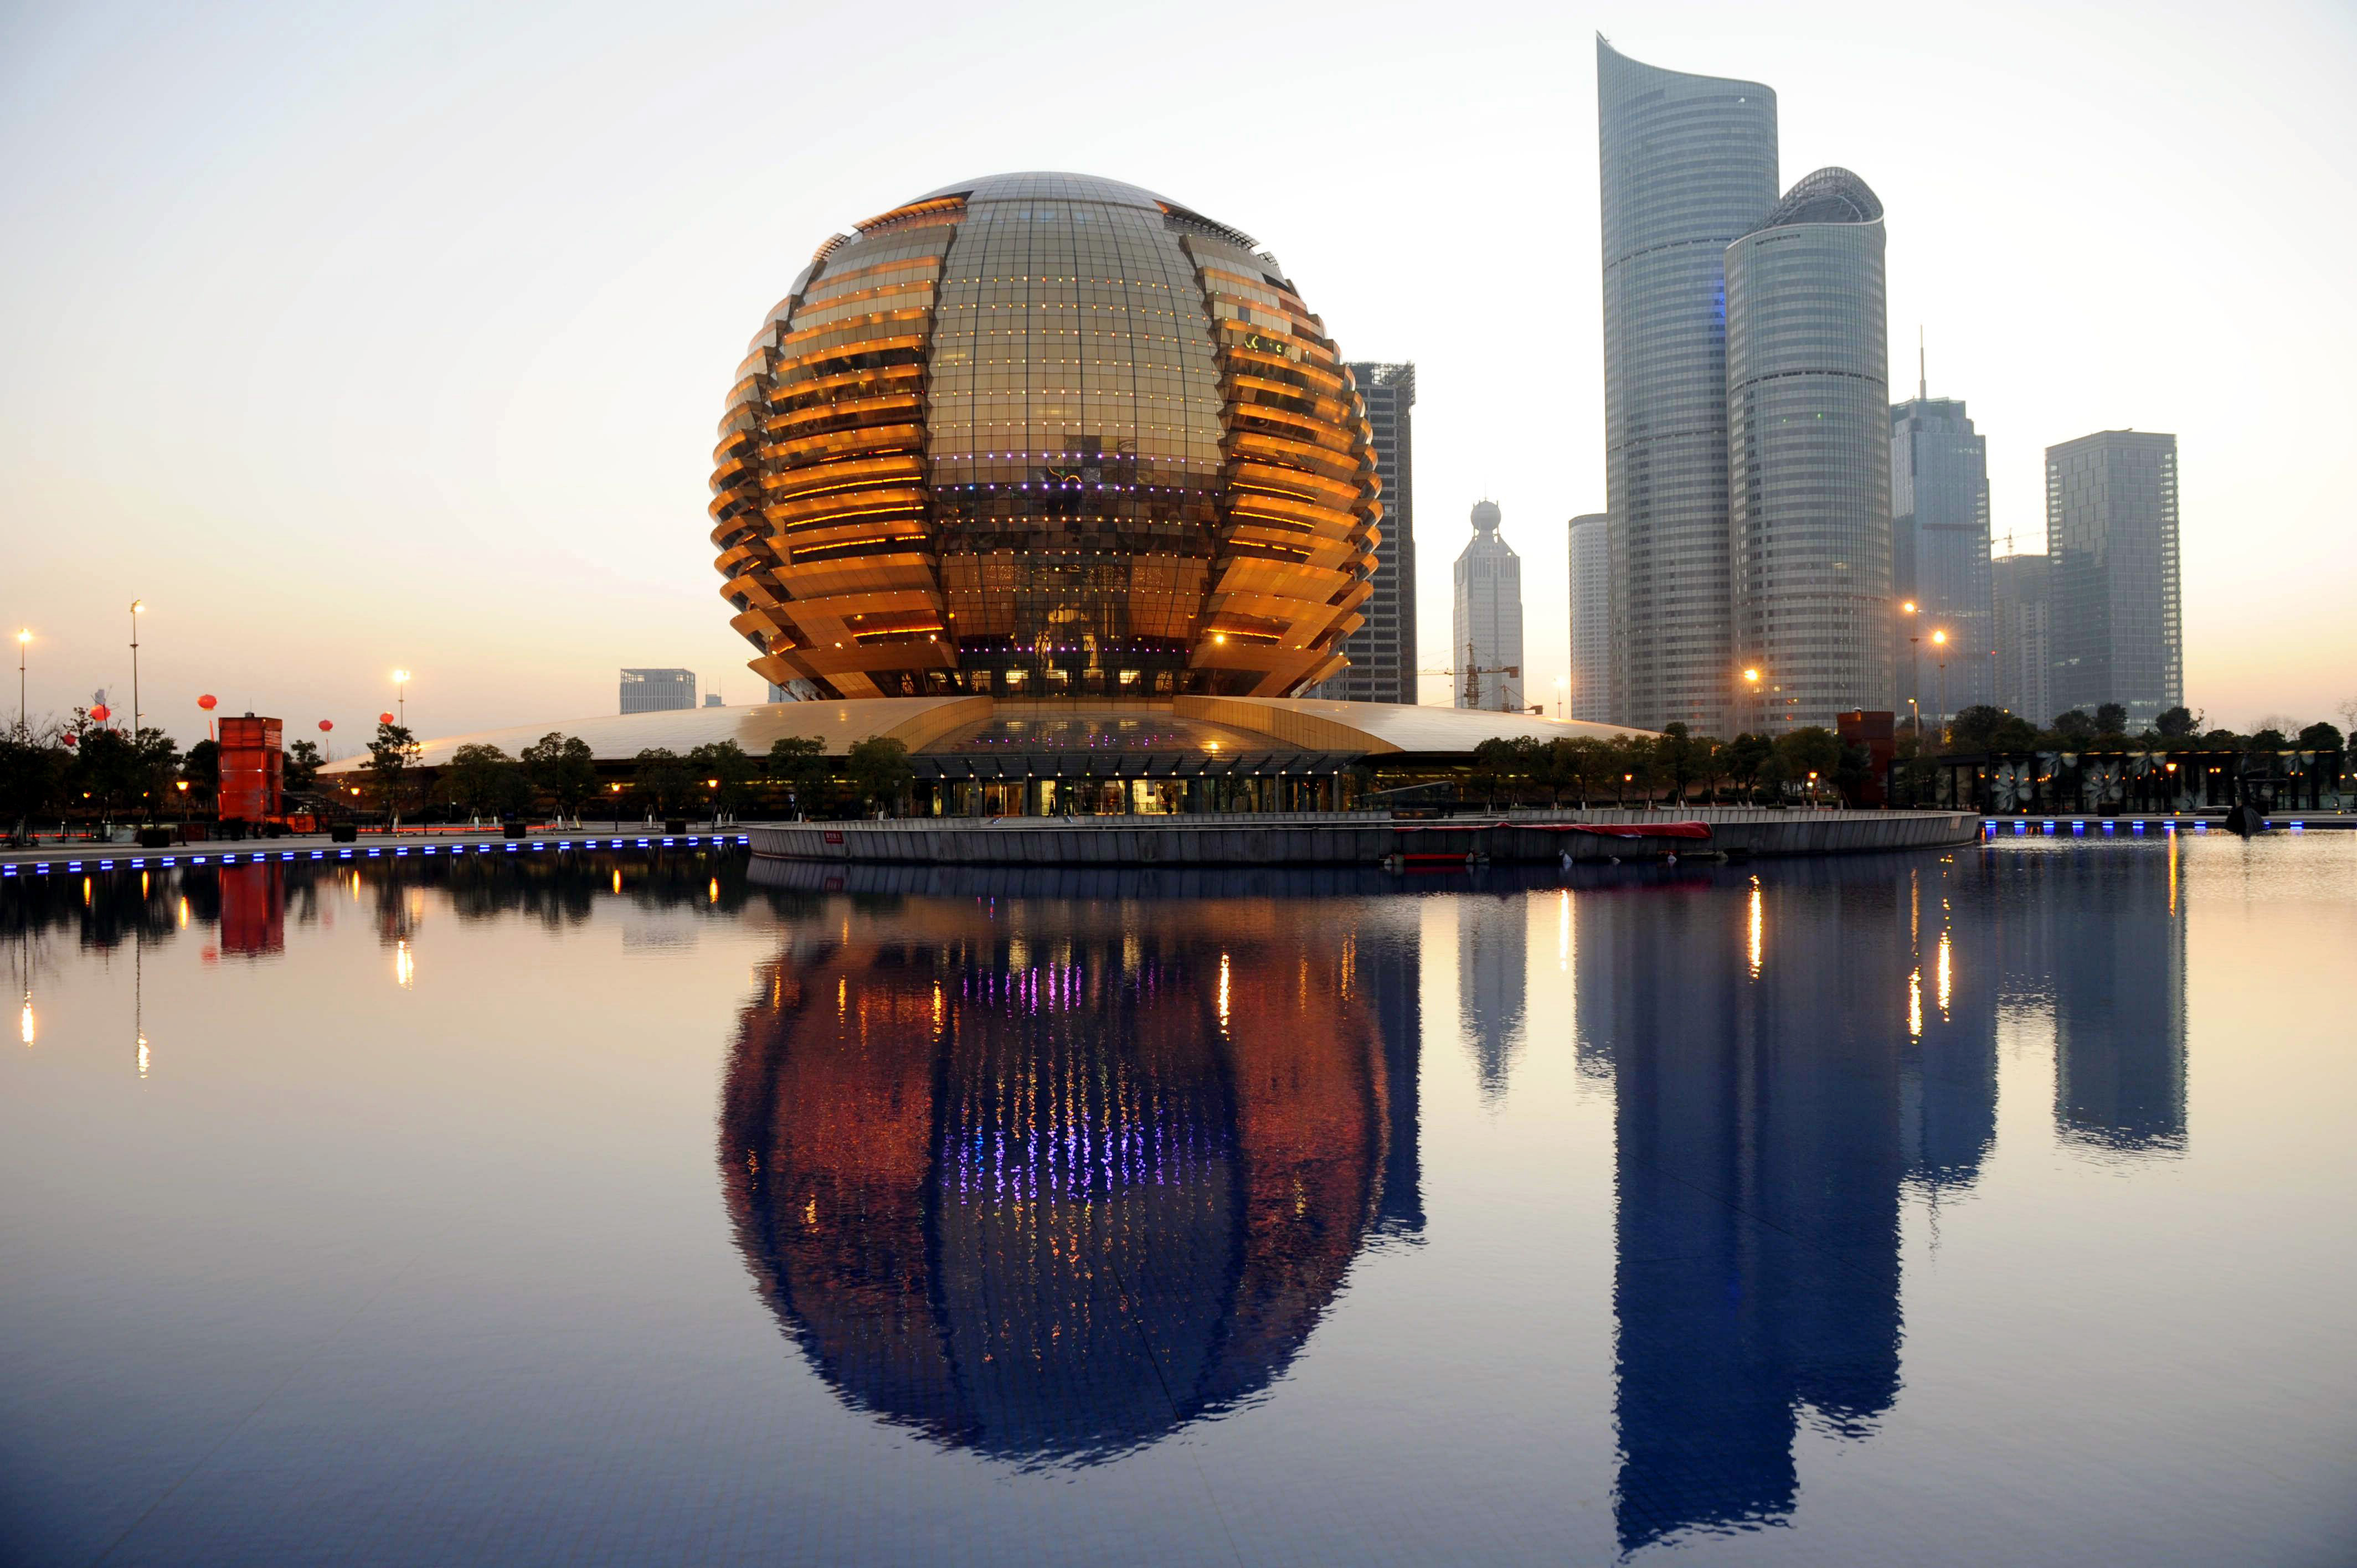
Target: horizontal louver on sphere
1044, 436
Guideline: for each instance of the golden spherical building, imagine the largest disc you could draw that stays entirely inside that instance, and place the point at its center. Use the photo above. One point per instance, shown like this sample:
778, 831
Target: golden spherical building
1044, 436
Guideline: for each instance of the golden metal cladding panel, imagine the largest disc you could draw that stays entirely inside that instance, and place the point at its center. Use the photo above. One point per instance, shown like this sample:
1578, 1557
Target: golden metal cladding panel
1044, 434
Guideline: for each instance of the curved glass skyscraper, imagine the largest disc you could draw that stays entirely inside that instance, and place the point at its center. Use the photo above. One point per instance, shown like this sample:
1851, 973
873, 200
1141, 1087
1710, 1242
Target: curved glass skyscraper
1688, 167
1808, 412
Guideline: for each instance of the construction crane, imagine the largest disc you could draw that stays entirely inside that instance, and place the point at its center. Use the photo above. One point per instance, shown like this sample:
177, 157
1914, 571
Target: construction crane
1473, 670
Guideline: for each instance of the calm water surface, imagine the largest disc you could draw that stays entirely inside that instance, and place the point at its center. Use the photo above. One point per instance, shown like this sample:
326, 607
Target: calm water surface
1987, 1208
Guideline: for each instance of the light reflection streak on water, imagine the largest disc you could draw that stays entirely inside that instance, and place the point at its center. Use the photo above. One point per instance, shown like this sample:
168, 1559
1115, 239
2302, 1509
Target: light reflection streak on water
1759, 927
1223, 991
404, 965
1947, 976
1915, 1003
25, 1020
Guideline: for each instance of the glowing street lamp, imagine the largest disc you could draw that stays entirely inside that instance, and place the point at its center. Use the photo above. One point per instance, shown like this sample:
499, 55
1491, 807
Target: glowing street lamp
138, 609
1914, 668
1940, 645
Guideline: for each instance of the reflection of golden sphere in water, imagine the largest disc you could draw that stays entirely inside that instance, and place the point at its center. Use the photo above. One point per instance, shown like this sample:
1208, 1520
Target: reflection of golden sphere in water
1050, 1195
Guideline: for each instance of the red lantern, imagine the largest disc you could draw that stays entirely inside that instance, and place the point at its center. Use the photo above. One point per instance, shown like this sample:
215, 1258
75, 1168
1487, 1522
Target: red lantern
208, 702
71, 738
326, 725
385, 719
100, 712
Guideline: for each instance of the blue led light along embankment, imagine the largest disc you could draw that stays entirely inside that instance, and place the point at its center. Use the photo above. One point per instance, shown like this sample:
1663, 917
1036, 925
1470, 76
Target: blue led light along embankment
141, 861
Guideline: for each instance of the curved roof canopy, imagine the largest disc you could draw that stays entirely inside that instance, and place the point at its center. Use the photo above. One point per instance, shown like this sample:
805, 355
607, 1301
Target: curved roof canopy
1828, 196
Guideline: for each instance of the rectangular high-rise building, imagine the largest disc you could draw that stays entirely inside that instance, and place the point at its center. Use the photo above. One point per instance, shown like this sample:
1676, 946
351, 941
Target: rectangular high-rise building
1591, 618
1688, 167
657, 691
2023, 611
1382, 651
2111, 538
1940, 551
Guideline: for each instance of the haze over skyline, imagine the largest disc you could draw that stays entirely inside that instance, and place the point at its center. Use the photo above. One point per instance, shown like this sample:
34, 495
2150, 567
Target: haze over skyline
359, 339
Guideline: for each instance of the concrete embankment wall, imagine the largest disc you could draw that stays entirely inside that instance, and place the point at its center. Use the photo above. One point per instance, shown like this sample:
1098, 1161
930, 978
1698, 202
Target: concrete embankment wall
1527, 837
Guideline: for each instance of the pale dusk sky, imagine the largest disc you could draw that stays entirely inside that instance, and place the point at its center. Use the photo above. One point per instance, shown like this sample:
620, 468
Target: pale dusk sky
352, 338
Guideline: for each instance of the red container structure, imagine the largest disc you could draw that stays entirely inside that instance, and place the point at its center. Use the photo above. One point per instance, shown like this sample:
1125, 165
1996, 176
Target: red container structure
253, 770
1877, 732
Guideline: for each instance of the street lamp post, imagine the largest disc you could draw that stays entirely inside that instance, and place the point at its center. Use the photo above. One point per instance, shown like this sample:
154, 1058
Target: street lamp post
23, 636
401, 696
1751, 685
1559, 685
1914, 662
1940, 644
138, 609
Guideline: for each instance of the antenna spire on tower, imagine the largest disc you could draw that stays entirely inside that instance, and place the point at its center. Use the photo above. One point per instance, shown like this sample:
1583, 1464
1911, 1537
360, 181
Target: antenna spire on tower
1922, 375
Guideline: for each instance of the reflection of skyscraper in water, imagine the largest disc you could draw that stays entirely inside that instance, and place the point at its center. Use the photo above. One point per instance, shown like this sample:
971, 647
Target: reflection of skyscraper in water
1390, 963
1948, 1080
1492, 958
2118, 966
1758, 1035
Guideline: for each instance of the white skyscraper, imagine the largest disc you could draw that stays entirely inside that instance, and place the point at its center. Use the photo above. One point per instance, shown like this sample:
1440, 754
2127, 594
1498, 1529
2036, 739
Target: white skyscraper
1591, 618
1487, 623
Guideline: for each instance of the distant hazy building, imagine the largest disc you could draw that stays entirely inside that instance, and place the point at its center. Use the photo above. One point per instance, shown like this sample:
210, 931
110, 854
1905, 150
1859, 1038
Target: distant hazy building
1488, 624
1940, 547
711, 699
1808, 432
1591, 618
779, 694
657, 691
2025, 651
2111, 535
1383, 652
1688, 167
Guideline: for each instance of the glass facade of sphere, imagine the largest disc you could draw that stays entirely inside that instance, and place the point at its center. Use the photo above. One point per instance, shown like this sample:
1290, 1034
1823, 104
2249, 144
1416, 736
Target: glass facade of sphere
1688, 166
1045, 435
1808, 402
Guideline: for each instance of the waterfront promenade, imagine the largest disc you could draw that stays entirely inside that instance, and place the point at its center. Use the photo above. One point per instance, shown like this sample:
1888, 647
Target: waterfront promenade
1355, 838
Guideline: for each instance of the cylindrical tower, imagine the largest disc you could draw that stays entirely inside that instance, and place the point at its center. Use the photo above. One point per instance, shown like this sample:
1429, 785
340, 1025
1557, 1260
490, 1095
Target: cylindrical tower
1808, 419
